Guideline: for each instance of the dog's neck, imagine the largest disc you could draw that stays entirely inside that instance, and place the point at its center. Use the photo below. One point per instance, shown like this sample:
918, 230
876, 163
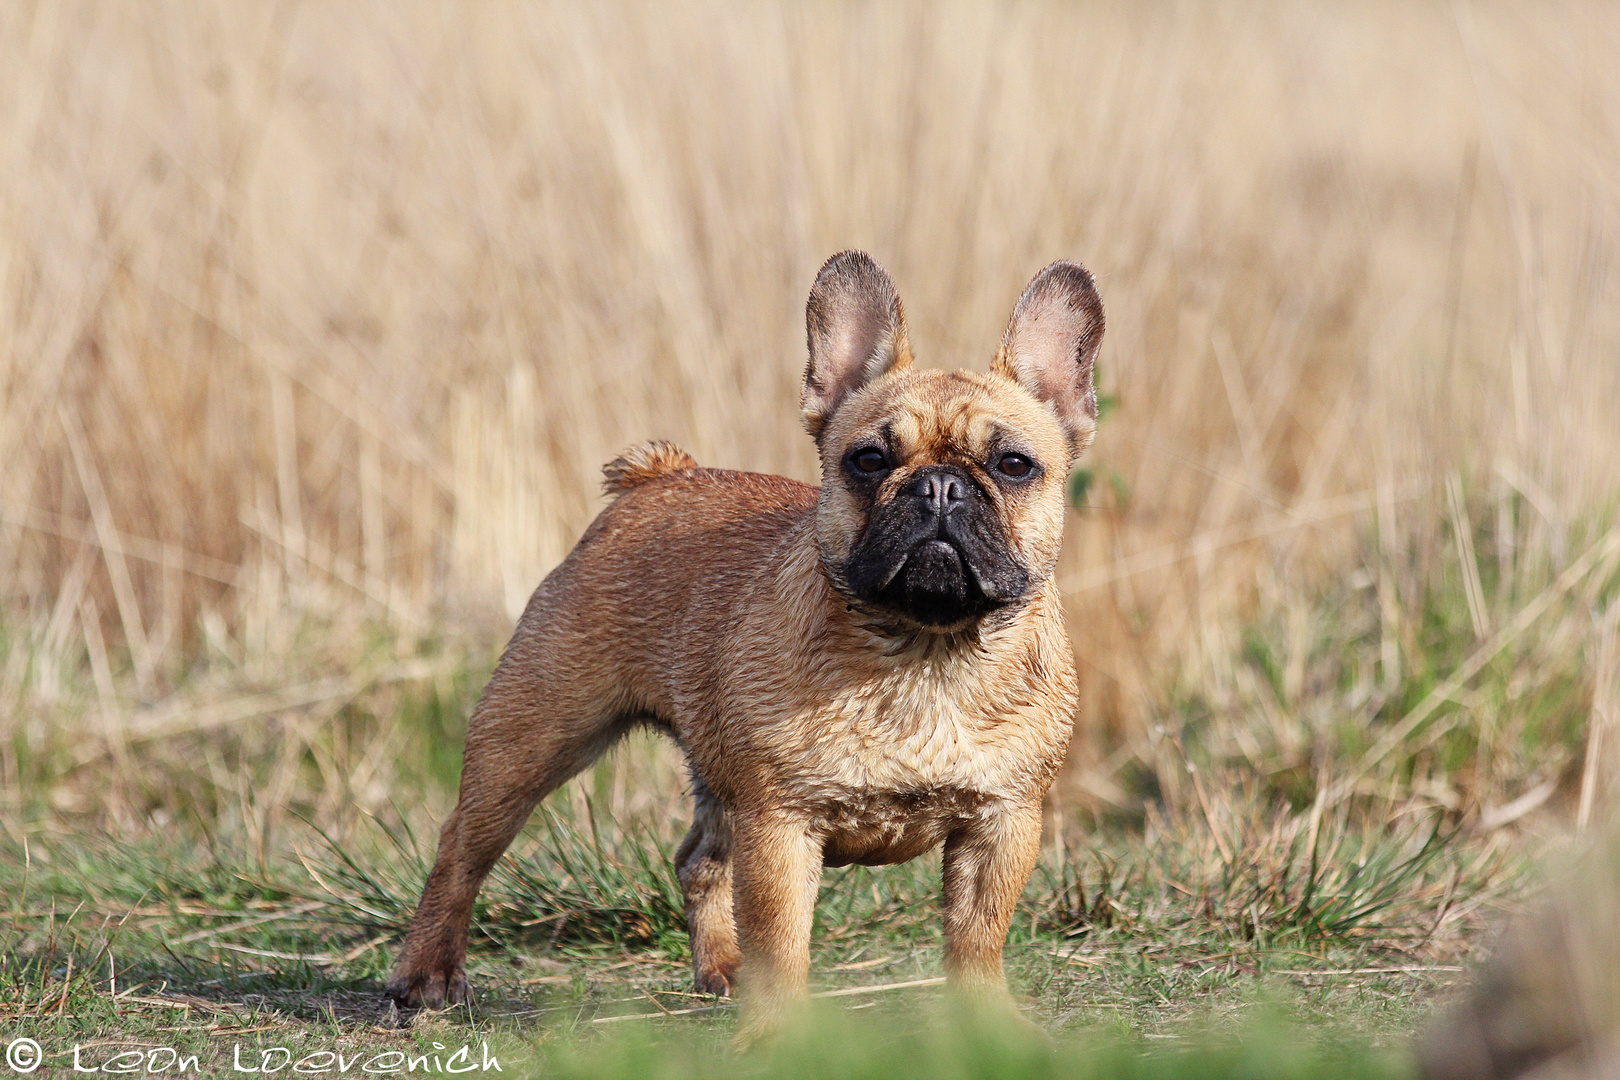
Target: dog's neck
893, 635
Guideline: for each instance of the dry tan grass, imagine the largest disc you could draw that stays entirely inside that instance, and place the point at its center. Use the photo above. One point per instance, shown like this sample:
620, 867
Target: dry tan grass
326, 316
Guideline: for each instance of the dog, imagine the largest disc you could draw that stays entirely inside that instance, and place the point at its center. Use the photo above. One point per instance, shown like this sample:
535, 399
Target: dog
856, 673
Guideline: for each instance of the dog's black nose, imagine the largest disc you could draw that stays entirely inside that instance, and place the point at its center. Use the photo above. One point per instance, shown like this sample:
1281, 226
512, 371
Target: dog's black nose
943, 491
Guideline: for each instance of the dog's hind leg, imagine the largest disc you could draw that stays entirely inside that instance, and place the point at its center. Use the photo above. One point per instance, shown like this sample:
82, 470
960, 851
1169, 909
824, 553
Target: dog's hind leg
528, 734
703, 864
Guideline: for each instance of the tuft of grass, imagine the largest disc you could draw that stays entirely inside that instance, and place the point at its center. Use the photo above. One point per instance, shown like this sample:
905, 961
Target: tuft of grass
1257, 872
562, 883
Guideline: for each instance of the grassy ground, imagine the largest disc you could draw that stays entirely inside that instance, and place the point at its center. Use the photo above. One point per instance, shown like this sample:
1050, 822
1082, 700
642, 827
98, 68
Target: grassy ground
1181, 932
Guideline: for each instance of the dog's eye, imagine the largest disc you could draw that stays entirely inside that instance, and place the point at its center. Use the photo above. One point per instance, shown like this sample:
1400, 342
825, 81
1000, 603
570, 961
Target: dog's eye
869, 460
1015, 465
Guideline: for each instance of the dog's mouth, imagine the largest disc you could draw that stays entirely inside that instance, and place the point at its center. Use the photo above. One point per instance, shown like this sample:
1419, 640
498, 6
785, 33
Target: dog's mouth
934, 587
934, 583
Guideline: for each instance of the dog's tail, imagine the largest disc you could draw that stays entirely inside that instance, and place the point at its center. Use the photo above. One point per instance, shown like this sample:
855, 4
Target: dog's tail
643, 462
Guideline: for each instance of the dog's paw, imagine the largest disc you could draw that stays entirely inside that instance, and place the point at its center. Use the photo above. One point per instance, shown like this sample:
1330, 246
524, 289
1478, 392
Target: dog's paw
428, 989
716, 979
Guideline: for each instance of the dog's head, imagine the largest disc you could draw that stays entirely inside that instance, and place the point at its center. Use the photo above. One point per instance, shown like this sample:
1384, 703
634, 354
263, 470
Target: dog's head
942, 493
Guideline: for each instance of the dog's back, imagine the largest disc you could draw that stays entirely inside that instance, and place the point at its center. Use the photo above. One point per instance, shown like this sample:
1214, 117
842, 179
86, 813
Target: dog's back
671, 523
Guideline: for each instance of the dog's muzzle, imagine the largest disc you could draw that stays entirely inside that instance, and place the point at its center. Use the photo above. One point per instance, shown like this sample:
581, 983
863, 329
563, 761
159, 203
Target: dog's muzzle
936, 553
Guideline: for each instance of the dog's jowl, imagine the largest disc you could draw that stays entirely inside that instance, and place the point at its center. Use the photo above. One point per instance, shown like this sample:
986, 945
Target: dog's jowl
856, 673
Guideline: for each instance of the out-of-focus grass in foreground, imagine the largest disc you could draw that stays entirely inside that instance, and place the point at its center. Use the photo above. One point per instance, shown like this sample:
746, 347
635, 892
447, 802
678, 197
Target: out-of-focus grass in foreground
957, 1046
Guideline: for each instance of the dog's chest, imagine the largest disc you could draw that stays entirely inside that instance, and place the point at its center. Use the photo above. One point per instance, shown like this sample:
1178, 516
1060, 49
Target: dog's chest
895, 773
926, 739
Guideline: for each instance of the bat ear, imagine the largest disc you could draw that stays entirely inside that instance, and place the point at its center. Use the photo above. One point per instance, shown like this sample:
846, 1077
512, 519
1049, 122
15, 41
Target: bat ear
856, 330
1050, 347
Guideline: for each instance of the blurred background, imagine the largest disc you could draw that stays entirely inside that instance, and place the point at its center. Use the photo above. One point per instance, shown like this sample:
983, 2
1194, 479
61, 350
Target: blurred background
318, 321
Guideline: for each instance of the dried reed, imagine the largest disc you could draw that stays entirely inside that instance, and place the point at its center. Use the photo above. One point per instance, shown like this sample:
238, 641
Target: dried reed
316, 323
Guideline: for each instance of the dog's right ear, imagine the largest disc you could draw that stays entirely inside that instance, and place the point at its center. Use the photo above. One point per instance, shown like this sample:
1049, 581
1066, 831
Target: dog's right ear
856, 330
1050, 347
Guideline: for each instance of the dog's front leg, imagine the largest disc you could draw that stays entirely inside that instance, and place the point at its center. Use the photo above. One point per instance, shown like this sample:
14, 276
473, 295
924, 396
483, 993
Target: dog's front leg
776, 867
987, 863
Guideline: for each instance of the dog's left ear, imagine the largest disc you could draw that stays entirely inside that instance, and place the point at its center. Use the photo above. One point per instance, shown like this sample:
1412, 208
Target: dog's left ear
856, 330
1050, 347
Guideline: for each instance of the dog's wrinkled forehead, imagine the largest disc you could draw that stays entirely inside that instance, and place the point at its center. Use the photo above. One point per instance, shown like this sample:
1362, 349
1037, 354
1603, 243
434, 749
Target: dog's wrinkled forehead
926, 416
961, 423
